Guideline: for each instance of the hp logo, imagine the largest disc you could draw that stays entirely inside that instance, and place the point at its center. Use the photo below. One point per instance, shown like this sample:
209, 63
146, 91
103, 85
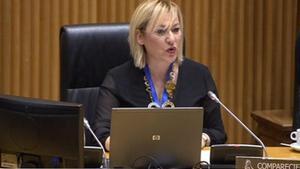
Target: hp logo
155, 137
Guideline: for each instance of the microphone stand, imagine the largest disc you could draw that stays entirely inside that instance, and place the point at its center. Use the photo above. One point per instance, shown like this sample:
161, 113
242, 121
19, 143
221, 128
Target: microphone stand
215, 98
105, 161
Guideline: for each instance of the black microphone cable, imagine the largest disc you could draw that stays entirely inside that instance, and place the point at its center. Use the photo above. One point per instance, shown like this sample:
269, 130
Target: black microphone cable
152, 162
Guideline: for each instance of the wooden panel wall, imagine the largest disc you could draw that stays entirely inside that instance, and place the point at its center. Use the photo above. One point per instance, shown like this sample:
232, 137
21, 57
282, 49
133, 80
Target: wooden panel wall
247, 44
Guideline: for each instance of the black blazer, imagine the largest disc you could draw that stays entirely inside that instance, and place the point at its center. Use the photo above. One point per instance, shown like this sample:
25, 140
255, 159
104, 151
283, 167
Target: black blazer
124, 87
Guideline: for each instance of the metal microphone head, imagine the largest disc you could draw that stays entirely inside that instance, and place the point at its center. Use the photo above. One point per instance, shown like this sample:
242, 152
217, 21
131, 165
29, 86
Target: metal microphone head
86, 123
213, 96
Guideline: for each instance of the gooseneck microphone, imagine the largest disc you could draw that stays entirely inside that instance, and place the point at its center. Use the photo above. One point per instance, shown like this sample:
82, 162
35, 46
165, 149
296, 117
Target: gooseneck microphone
87, 125
216, 99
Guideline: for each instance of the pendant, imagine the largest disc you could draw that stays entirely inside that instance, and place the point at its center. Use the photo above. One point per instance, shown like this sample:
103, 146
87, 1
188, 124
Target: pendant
153, 105
168, 104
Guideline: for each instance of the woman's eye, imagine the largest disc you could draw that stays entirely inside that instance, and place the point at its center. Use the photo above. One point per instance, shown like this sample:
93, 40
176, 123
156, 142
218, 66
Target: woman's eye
161, 32
175, 30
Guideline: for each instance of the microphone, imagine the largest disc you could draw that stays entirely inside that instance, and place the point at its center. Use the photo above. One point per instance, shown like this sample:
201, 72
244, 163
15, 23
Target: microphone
216, 99
87, 126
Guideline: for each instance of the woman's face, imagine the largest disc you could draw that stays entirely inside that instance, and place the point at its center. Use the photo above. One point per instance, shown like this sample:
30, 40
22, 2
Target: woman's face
162, 42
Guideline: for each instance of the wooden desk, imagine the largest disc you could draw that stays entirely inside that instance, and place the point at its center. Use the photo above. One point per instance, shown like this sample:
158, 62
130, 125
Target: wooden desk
273, 126
282, 152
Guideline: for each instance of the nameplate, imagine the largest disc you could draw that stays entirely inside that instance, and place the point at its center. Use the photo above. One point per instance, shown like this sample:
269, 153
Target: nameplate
243, 162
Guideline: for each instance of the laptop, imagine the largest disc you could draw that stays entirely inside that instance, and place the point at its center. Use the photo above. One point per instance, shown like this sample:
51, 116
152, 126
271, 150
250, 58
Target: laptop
156, 138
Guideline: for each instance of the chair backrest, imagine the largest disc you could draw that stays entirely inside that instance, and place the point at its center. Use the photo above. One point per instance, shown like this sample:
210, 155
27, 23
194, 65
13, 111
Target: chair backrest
87, 52
296, 122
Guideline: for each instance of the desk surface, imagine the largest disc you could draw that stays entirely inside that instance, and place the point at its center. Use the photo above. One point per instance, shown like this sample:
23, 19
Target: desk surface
282, 152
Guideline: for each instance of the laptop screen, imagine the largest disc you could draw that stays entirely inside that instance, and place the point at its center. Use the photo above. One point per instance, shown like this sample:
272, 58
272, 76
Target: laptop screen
168, 138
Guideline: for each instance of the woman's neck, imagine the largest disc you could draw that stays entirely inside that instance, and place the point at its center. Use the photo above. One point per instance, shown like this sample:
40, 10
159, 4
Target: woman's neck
158, 74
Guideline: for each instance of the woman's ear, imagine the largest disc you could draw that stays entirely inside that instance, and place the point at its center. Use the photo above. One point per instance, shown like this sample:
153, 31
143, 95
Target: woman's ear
140, 37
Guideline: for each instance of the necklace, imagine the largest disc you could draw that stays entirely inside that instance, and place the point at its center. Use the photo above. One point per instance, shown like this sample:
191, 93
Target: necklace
168, 92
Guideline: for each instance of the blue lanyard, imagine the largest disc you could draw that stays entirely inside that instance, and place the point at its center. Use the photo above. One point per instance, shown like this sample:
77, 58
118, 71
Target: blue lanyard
152, 87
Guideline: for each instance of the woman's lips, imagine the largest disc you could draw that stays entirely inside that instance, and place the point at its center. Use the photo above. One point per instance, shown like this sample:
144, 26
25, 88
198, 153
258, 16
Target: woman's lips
171, 50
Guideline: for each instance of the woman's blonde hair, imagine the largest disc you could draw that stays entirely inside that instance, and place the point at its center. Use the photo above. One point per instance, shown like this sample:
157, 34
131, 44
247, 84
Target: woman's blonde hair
147, 14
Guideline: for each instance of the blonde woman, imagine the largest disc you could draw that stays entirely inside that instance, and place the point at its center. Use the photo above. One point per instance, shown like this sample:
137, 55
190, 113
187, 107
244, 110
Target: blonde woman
159, 75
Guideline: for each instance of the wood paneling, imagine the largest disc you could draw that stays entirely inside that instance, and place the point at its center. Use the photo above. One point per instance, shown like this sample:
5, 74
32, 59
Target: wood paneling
247, 44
